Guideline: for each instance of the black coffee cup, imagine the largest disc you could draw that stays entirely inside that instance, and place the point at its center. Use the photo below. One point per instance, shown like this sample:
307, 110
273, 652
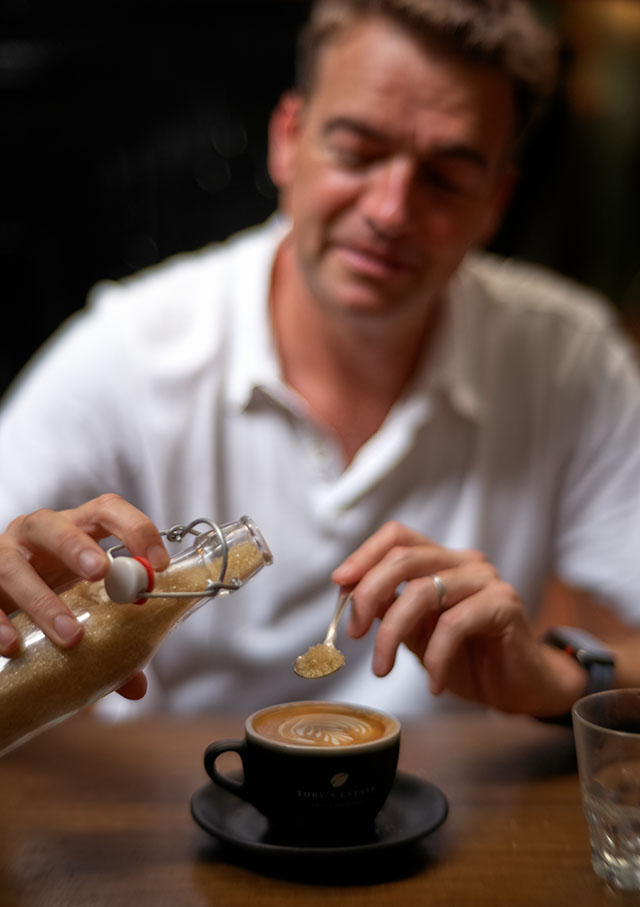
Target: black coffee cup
319, 771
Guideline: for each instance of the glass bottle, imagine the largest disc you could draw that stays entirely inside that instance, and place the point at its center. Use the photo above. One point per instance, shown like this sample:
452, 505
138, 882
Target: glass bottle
124, 625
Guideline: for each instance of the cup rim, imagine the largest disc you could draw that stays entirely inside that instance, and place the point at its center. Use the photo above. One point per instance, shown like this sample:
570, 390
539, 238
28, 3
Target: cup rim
319, 751
603, 695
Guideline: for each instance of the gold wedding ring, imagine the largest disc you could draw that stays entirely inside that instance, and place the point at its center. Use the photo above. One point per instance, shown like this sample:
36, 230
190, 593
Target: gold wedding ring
441, 590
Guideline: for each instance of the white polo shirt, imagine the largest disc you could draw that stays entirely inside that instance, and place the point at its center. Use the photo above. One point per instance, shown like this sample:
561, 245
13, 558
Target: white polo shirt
520, 436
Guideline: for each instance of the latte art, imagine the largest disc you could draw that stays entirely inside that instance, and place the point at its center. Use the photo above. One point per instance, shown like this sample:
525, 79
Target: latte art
311, 724
326, 730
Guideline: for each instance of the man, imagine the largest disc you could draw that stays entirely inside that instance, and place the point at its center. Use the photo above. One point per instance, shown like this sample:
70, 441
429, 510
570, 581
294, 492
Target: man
358, 381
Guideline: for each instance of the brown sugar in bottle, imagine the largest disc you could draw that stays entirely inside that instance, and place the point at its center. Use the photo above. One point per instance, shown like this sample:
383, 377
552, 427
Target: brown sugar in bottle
43, 684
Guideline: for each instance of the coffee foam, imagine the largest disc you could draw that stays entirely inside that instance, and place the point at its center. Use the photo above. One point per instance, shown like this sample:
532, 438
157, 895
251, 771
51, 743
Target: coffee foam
321, 725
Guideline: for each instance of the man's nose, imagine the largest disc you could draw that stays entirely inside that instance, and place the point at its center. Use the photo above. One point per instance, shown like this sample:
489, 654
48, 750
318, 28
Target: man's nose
388, 198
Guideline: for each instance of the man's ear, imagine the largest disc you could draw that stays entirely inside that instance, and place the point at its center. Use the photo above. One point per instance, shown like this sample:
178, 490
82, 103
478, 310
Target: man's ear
283, 131
499, 203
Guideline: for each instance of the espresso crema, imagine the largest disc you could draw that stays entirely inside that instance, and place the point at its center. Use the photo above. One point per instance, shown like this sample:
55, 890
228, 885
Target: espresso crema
321, 725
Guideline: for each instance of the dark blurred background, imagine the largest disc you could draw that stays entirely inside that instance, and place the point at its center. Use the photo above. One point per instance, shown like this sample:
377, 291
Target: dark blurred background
129, 132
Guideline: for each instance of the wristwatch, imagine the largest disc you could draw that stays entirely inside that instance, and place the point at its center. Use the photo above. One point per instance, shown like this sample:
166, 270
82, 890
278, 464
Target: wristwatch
592, 654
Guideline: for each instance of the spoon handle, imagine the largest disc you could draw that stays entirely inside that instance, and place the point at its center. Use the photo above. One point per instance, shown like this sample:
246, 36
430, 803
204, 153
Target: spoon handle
343, 600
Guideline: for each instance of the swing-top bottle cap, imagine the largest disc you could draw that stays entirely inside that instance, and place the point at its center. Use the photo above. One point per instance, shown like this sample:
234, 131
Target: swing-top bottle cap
131, 580
127, 578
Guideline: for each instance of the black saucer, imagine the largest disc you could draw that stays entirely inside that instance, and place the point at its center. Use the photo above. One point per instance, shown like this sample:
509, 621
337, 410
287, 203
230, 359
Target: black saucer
413, 809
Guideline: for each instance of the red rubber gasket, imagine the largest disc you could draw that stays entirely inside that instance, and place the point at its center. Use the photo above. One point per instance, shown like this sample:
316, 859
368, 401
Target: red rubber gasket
151, 577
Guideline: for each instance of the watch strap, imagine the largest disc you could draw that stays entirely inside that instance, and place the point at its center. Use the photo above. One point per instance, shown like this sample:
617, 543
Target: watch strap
601, 676
591, 653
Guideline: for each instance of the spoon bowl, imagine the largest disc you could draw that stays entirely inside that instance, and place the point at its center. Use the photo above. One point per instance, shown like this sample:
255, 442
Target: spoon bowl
324, 658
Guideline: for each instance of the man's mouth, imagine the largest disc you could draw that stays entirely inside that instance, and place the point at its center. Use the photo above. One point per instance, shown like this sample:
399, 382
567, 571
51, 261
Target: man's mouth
374, 262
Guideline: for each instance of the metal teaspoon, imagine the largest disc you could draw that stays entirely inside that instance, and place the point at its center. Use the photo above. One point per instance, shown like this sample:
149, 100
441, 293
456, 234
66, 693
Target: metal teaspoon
324, 658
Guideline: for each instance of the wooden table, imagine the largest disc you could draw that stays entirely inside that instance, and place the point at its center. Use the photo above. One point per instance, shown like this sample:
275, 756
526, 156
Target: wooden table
98, 814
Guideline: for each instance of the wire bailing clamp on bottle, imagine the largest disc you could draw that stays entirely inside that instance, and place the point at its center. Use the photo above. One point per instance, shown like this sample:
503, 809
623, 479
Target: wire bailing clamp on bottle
131, 579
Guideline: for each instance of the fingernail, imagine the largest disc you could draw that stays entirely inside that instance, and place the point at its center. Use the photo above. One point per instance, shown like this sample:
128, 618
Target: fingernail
68, 629
91, 562
8, 637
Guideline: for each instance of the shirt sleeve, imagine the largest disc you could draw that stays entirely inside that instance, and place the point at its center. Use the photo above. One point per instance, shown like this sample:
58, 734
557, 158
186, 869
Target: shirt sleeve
56, 417
598, 518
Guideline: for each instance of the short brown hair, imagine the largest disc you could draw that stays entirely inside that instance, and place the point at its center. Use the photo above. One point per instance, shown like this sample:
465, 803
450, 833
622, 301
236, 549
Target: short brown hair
504, 34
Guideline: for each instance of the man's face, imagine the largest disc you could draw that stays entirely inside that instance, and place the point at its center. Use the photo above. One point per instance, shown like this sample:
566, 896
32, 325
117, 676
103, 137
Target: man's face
393, 167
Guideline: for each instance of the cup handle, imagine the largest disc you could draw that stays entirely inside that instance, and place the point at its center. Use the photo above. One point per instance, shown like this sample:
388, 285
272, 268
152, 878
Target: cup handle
211, 754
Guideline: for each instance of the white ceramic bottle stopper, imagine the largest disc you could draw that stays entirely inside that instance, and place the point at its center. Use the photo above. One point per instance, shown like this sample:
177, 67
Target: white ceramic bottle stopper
128, 579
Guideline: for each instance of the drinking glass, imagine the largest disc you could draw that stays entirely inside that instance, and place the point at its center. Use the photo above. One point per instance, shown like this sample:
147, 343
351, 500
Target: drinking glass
607, 735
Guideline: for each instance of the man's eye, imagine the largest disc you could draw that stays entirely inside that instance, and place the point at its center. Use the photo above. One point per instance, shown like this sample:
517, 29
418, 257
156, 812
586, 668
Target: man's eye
452, 184
444, 182
351, 157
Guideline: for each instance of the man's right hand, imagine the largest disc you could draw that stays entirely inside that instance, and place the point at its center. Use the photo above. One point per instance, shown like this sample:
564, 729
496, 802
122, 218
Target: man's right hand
47, 549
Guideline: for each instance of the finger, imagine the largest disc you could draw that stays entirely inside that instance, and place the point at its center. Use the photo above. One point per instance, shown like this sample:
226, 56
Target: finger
135, 688
110, 514
70, 536
62, 539
353, 568
390, 535
414, 614
9, 638
377, 590
489, 613
23, 585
